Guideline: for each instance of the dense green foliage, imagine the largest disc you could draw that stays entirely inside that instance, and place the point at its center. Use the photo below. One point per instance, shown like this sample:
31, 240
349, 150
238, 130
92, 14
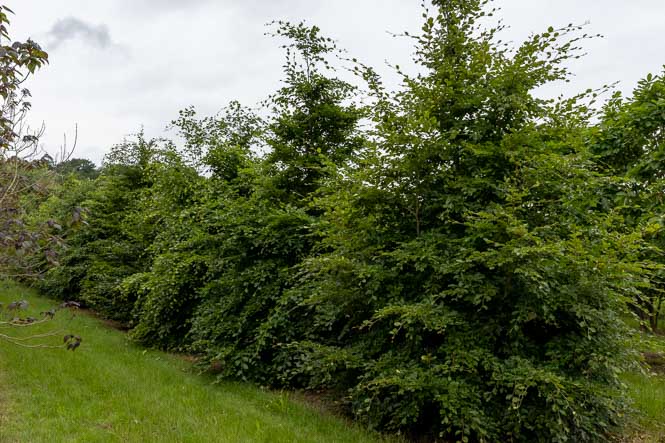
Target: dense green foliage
629, 142
452, 259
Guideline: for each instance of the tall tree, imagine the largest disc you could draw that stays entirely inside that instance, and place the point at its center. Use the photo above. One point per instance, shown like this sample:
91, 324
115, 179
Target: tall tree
629, 144
313, 123
468, 282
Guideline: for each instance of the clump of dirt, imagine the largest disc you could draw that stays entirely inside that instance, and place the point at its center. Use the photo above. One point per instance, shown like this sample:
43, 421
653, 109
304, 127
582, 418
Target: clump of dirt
656, 361
112, 324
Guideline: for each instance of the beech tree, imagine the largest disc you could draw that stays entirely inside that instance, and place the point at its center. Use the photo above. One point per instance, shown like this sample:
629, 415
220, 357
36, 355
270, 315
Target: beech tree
470, 281
629, 144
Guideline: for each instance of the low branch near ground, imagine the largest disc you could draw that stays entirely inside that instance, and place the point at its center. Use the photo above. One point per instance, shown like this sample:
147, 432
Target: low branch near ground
14, 321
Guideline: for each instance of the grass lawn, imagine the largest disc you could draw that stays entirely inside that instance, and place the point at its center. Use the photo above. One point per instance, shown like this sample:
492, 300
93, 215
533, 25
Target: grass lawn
647, 390
110, 390
648, 394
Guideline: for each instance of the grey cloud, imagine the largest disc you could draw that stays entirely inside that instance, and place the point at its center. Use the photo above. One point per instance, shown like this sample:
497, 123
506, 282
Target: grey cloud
71, 28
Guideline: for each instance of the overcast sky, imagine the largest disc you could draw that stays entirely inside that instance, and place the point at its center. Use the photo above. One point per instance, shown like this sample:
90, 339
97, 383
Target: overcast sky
117, 65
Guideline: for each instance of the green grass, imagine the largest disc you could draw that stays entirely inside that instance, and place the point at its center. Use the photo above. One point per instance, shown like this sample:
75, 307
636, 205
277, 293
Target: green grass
648, 394
111, 390
647, 391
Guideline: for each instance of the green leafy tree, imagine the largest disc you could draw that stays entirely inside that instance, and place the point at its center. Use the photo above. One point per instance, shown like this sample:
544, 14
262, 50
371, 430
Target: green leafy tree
113, 244
629, 143
469, 283
251, 217
80, 167
313, 123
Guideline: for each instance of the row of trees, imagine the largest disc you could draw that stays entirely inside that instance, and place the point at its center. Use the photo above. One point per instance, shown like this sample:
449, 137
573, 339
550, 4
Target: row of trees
454, 259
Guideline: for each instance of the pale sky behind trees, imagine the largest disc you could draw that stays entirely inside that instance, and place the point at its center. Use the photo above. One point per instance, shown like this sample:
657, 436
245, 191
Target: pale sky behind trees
119, 65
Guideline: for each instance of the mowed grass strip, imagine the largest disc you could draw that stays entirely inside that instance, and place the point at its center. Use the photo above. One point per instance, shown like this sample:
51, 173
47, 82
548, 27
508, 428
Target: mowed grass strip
648, 394
110, 390
647, 391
